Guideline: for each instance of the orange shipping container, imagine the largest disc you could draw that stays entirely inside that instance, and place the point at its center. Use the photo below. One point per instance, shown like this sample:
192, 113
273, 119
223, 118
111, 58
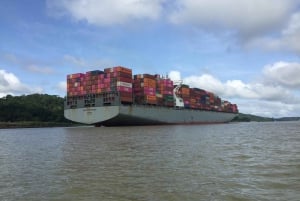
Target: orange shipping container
150, 97
118, 69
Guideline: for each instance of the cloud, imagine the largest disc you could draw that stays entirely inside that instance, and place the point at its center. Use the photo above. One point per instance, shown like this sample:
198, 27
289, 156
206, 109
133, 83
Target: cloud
175, 75
10, 84
286, 40
268, 98
90, 64
75, 61
107, 12
268, 108
283, 73
265, 24
28, 64
60, 88
267, 91
11, 58
246, 17
268, 24
43, 70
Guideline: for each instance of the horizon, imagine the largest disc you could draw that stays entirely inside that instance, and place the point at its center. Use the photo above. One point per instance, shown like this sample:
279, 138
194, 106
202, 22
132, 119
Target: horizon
231, 48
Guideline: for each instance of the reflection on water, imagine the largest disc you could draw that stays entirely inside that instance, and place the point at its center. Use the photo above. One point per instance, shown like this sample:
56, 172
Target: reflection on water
244, 161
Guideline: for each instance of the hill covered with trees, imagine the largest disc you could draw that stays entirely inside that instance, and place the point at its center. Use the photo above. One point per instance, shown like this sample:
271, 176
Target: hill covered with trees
35, 108
248, 117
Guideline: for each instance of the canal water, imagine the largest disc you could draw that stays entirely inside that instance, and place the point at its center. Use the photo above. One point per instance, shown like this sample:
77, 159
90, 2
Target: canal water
236, 161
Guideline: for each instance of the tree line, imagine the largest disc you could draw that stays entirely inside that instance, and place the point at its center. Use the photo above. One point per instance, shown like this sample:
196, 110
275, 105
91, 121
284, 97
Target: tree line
34, 107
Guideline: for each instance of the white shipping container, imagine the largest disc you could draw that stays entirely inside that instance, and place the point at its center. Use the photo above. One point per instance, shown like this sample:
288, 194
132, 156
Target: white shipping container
159, 95
124, 84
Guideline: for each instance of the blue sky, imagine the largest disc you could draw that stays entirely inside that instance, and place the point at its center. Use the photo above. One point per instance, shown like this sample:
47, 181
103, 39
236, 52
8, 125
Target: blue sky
245, 51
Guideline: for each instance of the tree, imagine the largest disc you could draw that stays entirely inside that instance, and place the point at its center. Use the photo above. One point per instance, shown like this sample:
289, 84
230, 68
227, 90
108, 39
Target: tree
34, 107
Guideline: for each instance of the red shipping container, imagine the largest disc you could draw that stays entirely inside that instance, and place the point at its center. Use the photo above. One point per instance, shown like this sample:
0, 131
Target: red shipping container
124, 89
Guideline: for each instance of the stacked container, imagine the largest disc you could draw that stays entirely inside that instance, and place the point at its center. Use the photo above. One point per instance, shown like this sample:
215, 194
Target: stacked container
164, 92
144, 88
234, 108
196, 96
74, 84
228, 107
96, 82
93, 82
120, 79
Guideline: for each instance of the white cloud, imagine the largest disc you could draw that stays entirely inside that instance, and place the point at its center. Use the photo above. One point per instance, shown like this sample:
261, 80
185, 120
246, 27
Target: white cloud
293, 25
239, 89
264, 24
268, 108
90, 64
11, 58
62, 87
7, 79
273, 97
175, 75
284, 73
248, 17
38, 69
75, 61
268, 24
287, 39
107, 12
10, 84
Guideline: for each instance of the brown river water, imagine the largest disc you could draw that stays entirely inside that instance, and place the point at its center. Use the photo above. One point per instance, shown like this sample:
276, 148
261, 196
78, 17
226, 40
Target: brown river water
238, 161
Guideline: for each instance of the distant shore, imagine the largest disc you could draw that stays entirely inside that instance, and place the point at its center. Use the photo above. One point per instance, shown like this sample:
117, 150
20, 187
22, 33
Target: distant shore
31, 124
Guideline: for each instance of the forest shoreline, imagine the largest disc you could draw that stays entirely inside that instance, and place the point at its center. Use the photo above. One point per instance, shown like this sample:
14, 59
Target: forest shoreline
34, 124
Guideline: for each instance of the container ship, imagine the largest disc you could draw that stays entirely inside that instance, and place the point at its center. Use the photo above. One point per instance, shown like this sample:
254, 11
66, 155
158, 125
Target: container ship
115, 97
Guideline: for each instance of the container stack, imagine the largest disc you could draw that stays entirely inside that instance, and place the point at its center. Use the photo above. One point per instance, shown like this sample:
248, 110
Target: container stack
96, 82
74, 84
144, 88
234, 108
228, 107
164, 92
199, 99
120, 79
196, 97
93, 82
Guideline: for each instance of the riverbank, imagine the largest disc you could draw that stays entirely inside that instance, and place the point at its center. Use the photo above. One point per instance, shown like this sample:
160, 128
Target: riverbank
33, 124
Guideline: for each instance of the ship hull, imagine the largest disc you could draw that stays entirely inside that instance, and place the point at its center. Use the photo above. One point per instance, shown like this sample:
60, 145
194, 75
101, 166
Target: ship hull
144, 115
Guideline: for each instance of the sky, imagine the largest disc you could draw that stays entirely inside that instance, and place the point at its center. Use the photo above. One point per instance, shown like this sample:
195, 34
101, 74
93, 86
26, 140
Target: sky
246, 52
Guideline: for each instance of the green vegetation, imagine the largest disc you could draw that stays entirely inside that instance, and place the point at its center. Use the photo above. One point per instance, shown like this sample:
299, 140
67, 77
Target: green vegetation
35, 110
33, 124
248, 117
288, 119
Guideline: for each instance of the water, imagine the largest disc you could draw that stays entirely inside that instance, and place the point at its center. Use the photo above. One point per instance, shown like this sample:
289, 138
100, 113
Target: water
243, 161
